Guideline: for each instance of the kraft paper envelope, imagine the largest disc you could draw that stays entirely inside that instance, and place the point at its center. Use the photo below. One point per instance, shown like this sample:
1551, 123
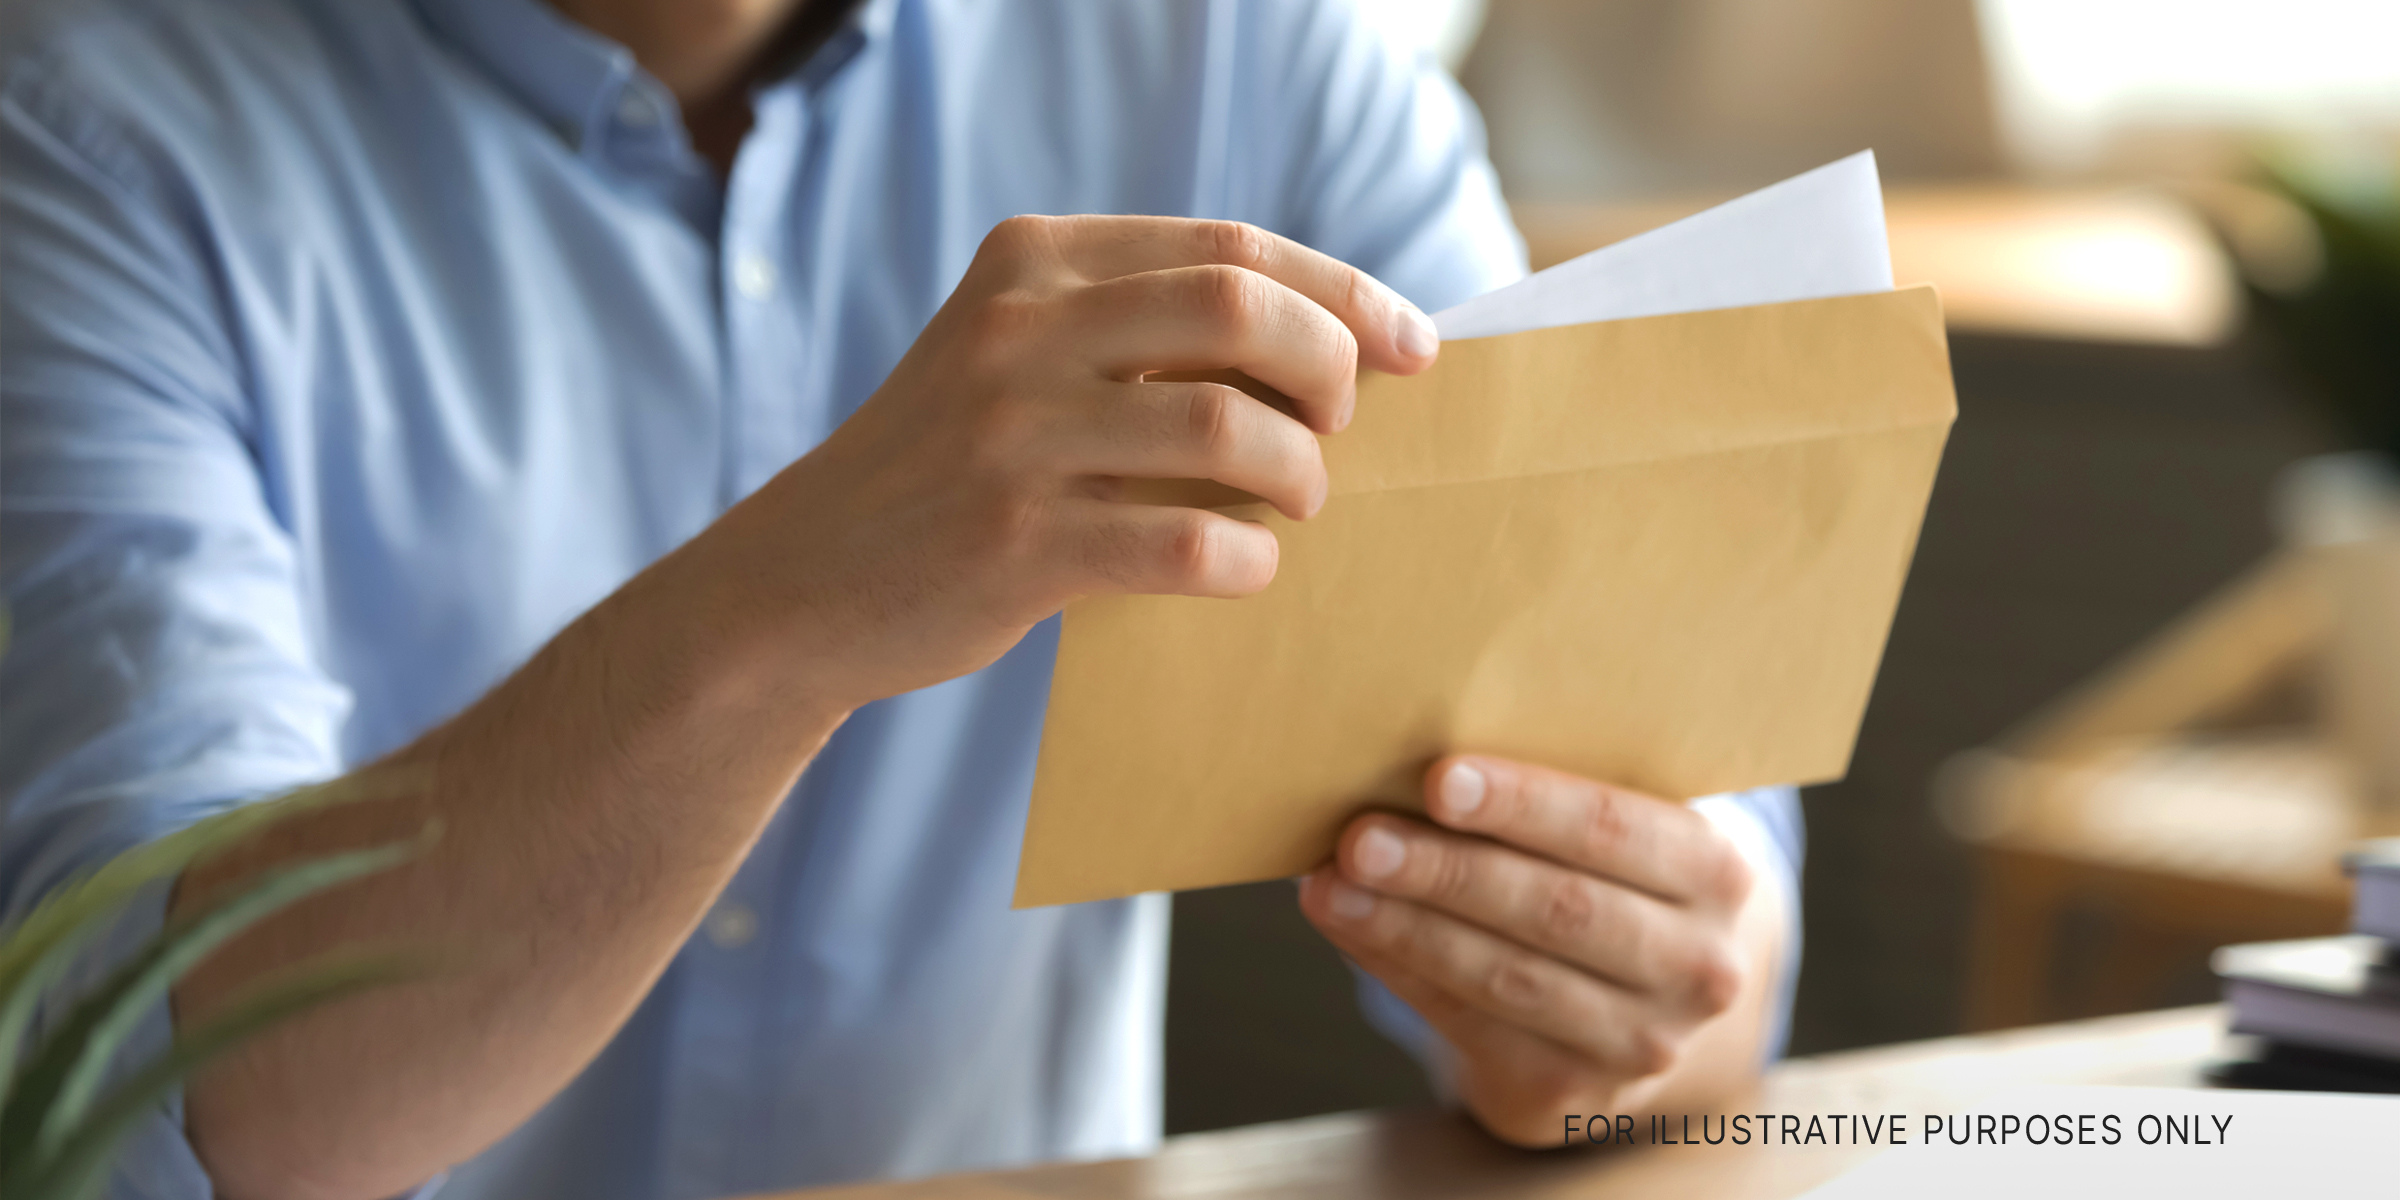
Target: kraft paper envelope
1662, 551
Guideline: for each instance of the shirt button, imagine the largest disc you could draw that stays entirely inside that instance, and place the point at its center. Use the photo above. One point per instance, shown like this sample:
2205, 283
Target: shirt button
635, 111
754, 277
731, 924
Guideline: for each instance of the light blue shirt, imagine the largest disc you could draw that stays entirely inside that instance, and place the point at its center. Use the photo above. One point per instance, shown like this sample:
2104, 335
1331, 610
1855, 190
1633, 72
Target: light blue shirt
349, 348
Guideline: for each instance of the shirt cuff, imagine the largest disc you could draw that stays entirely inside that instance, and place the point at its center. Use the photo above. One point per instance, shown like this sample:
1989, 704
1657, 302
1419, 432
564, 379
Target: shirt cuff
1765, 824
1392, 1017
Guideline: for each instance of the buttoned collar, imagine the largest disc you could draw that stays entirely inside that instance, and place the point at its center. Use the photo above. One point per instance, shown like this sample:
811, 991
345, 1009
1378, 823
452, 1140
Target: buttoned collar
579, 83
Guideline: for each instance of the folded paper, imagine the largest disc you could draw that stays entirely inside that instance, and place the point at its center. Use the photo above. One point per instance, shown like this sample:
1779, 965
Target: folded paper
1662, 551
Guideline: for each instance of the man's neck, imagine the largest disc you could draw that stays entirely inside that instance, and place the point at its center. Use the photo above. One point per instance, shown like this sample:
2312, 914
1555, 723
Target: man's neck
701, 49
709, 52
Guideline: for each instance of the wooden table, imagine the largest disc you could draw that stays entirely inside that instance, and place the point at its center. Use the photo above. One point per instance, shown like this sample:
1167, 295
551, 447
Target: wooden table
2162, 852
1424, 1155
2180, 801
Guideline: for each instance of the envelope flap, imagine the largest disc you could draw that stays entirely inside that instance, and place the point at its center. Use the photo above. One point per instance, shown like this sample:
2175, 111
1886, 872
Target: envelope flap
1586, 396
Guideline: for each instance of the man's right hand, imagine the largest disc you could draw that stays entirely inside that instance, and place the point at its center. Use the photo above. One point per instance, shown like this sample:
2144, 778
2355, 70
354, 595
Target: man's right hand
978, 490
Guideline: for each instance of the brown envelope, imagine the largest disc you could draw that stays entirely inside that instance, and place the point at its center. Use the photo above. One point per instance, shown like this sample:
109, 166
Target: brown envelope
1663, 552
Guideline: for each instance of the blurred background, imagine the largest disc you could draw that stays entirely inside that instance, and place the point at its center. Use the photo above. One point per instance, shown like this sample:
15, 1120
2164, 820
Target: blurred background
2129, 706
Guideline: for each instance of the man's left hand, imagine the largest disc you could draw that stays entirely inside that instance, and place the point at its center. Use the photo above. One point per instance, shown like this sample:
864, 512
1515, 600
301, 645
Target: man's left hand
1580, 947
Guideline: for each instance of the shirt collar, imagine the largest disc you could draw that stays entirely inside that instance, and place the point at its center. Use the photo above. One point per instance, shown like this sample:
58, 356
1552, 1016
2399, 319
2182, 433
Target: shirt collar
573, 78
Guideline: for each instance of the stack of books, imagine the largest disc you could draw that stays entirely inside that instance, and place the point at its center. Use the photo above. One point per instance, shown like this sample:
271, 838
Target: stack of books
2323, 1014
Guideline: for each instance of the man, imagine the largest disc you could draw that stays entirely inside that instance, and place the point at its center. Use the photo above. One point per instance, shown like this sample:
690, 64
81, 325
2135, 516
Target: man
633, 413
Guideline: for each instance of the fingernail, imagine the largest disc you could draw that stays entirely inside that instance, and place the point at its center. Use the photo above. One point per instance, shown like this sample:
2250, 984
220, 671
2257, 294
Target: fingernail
1416, 334
1462, 789
1349, 903
1378, 853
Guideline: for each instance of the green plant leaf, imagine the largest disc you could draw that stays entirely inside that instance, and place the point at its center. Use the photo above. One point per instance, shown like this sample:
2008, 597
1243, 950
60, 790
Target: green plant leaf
80, 1166
59, 1083
42, 948
2336, 331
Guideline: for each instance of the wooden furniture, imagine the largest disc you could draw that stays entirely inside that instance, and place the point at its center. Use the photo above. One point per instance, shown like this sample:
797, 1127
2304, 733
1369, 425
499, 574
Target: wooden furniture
1425, 1155
2183, 799
2118, 265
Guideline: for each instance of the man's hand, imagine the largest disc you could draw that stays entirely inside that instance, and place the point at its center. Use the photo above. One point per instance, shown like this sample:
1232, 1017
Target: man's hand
977, 491
1581, 948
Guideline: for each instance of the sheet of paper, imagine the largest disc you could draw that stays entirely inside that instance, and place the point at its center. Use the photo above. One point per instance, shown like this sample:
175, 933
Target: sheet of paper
1811, 236
1663, 551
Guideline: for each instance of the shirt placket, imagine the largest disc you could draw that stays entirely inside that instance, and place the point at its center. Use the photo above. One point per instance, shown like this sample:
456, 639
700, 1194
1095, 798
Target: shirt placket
722, 1075
768, 322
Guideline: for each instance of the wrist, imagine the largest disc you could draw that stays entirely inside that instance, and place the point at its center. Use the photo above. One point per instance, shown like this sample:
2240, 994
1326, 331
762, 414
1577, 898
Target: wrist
700, 634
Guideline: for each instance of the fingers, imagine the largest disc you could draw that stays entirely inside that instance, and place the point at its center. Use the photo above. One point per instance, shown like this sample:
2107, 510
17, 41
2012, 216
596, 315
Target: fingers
1516, 1082
1497, 978
1392, 334
1196, 318
1197, 431
1661, 847
1623, 936
1163, 551
1123, 299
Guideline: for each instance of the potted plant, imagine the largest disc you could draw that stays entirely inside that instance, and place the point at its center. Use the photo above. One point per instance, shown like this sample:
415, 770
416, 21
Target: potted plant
61, 1116
2328, 297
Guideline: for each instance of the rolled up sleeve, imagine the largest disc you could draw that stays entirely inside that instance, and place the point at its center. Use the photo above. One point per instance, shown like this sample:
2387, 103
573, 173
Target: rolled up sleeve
158, 667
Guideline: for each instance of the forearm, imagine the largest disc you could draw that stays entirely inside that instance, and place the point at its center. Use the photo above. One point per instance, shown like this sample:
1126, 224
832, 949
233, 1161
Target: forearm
591, 808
